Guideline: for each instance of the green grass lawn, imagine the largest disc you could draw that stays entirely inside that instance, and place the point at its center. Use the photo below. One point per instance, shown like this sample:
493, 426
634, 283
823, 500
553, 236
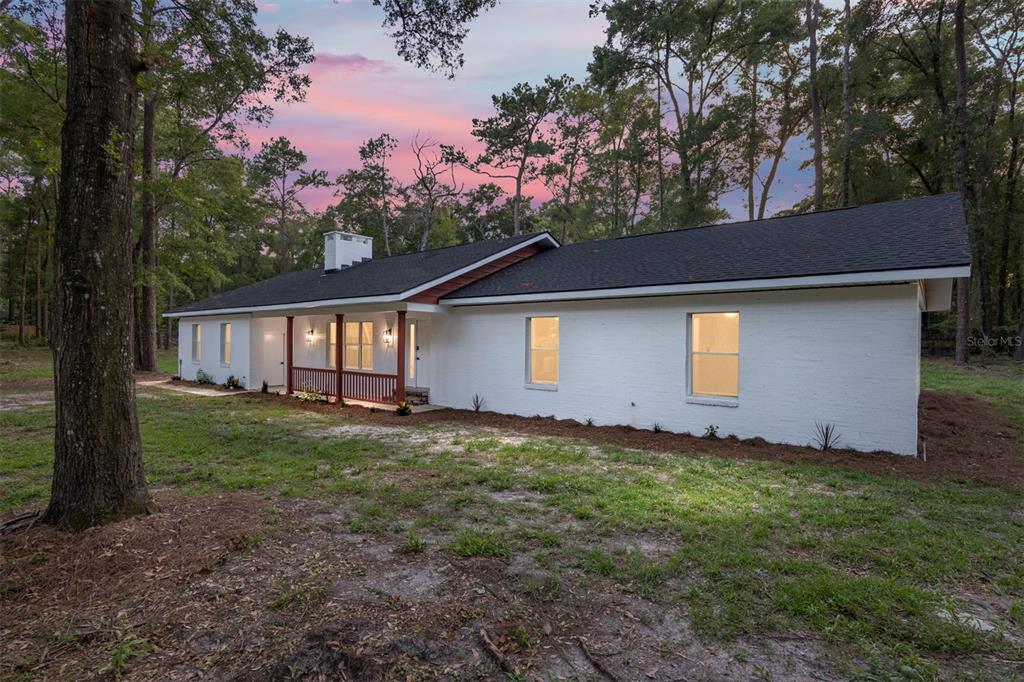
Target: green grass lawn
35, 361
999, 381
881, 566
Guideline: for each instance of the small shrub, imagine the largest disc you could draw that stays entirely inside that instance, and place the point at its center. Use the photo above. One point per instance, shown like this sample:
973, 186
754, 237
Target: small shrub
308, 395
203, 378
590, 421
711, 433
264, 388
128, 646
478, 402
658, 428
826, 436
232, 384
412, 544
403, 409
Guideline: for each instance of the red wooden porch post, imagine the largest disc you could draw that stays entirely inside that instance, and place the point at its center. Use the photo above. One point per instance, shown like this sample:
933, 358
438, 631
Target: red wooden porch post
400, 357
339, 346
288, 355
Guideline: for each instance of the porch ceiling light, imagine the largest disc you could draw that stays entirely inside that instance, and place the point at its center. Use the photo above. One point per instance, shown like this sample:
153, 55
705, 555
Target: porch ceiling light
310, 336
388, 336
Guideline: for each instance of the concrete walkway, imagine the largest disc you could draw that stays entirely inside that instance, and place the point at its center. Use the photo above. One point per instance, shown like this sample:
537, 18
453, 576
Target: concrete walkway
191, 390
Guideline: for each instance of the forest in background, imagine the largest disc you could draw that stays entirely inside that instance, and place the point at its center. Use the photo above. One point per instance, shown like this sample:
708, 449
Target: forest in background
683, 103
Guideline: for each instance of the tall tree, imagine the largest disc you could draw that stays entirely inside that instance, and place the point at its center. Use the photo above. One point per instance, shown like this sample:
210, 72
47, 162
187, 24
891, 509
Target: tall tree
813, 13
844, 182
279, 173
516, 140
212, 64
963, 285
434, 186
97, 471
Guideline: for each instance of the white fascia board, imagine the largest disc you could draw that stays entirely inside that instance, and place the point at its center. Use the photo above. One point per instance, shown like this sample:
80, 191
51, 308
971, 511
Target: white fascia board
542, 237
817, 281
303, 305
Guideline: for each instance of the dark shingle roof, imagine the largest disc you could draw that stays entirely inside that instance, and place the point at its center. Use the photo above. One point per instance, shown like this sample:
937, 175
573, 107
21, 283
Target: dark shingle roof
377, 277
897, 235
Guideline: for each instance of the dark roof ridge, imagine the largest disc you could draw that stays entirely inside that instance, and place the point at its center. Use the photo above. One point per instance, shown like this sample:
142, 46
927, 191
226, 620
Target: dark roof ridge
732, 223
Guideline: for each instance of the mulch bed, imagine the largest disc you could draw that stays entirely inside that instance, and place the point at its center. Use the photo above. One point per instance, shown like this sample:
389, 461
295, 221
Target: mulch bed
966, 438
60, 592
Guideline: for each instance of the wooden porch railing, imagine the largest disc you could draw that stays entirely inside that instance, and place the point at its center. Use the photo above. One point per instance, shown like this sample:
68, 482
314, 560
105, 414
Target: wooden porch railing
314, 379
378, 388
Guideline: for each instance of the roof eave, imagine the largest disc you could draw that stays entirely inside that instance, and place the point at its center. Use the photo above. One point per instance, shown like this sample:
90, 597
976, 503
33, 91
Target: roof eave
803, 282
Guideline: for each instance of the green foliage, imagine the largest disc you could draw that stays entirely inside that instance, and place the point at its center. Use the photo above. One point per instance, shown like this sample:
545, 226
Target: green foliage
127, 647
403, 409
711, 432
203, 378
480, 543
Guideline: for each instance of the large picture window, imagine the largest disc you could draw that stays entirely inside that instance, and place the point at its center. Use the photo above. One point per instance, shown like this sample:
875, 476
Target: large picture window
225, 344
197, 343
543, 356
715, 354
359, 345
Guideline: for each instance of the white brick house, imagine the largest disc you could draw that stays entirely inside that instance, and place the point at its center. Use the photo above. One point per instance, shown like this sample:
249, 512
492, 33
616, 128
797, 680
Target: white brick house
760, 329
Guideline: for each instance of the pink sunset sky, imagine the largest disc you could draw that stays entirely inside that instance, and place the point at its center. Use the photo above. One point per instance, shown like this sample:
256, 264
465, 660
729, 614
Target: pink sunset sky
361, 88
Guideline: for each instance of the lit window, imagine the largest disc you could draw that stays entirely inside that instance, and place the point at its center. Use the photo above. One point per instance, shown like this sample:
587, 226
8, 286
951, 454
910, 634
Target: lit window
359, 345
332, 342
543, 359
197, 344
715, 354
225, 343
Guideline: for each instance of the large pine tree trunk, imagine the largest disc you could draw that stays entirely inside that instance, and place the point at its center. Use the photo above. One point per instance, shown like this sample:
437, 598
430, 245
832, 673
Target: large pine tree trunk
147, 331
97, 470
819, 172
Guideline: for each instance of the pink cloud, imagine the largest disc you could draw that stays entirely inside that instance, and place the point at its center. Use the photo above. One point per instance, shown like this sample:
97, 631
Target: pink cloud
354, 62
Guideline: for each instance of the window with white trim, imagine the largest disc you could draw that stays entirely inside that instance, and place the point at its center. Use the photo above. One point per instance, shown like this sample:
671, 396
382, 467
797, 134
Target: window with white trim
197, 343
225, 344
332, 343
715, 354
359, 345
542, 359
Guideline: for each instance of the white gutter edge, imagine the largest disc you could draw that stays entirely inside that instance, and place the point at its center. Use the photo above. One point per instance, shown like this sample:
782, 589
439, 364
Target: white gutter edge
850, 279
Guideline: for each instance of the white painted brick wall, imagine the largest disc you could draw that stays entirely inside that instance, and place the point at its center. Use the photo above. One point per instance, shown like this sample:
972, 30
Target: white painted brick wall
843, 355
210, 358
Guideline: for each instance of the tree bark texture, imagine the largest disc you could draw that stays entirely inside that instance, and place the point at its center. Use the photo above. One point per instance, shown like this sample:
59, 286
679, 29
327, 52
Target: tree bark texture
97, 472
963, 284
819, 172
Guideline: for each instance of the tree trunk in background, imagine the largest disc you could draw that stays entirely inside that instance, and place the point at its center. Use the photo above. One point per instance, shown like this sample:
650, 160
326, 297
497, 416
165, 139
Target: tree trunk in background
752, 142
819, 173
97, 469
22, 301
844, 190
147, 317
1018, 354
963, 284
1009, 198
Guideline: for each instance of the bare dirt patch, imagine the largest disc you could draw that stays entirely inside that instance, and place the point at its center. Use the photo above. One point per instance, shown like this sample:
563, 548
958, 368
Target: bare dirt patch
966, 438
234, 587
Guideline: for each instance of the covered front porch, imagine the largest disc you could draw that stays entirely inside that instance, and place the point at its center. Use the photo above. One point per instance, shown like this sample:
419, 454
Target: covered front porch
358, 353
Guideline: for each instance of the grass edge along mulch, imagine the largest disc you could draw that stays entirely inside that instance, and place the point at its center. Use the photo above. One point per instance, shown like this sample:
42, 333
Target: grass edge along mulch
967, 439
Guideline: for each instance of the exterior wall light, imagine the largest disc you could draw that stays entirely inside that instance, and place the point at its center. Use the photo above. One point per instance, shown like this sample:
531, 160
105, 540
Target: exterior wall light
310, 336
388, 337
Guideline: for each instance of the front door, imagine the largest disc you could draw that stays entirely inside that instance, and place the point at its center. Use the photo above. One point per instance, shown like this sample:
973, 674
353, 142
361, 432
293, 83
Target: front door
273, 363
